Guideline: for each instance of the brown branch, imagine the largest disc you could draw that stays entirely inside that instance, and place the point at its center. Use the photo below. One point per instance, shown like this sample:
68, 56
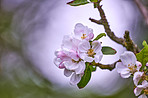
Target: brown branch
108, 31
129, 44
107, 66
143, 10
107, 27
103, 21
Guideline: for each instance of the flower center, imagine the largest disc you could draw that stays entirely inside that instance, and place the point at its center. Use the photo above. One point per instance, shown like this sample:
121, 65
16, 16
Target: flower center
132, 68
76, 61
83, 36
146, 91
90, 52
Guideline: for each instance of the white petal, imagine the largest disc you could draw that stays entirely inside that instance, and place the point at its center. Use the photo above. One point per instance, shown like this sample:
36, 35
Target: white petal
96, 45
67, 73
137, 77
75, 79
88, 59
142, 96
56, 52
98, 57
84, 46
74, 66
70, 65
125, 75
75, 43
128, 58
86, 30
57, 61
63, 55
90, 36
120, 67
81, 68
67, 42
74, 56
137, 91
82, 55
145, 84
79, 30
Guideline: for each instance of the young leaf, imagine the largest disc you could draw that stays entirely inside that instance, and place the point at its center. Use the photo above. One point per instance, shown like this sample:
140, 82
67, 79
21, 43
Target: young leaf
78, 2
99, 36
142, 56
94, 0
86, 77
108, 50
93, 68
144, 43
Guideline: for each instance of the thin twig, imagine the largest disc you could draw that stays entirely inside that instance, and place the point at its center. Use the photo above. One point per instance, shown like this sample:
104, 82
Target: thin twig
125, 42
122, 41
129, 44
143, 10
107, 66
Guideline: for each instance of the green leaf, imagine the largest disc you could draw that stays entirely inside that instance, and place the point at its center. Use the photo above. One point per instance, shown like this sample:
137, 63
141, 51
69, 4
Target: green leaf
94, 0
142, 56
108, 50
144, 43
78, 2
93, 68
99, 36
86, 77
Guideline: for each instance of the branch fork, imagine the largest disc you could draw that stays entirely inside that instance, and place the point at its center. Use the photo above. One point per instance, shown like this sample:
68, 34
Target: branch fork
125, 42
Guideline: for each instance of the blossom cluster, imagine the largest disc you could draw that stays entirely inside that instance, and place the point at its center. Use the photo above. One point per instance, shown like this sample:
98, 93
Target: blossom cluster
130, 67
77, 49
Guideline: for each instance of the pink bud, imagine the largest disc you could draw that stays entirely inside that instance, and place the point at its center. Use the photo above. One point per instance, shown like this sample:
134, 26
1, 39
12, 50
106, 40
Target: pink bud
61, 66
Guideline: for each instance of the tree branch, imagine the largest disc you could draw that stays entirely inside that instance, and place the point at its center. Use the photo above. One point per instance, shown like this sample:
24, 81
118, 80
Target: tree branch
107, 66
122, 41
125, 42
129, 44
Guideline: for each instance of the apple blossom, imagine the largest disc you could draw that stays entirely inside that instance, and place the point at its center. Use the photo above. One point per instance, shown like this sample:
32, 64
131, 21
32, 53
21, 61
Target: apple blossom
139, 89
83, 32
137, 77
89, 52
71, 63
129, 64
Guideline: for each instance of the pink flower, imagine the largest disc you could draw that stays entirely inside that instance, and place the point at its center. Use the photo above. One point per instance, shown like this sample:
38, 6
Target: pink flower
129, 64
143, 87
137, 77
68, 57
89, 52
83, 32
71, 63
70, 43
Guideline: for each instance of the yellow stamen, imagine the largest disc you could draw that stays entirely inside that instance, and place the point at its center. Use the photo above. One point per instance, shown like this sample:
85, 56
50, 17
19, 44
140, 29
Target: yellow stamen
90, 52
83, 36
146, 91
132, 68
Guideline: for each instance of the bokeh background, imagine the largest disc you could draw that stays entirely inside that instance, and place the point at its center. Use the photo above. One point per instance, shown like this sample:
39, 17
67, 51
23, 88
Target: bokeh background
30, 32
